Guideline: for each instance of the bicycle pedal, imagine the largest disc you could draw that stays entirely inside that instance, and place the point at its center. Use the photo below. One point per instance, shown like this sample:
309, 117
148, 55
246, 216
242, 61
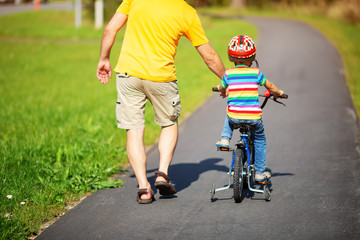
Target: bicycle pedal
223, 149
263, 182
258, 182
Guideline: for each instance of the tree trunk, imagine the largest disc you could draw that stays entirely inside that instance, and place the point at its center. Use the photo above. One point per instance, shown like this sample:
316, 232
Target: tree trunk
238, 3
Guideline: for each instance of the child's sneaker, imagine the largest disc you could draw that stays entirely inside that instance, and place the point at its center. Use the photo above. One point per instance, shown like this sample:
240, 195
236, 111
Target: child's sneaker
223, 144
262, 177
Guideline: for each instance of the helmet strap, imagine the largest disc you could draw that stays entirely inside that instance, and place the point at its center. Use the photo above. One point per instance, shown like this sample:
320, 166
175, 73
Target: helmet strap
257, 64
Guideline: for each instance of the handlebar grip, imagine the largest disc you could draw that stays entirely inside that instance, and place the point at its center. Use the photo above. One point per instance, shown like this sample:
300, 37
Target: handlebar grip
215, 89
284, 96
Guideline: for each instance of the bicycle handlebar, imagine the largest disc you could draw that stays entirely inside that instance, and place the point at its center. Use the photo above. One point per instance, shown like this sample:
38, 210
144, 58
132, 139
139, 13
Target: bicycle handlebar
284, 96
215, 89
267, 95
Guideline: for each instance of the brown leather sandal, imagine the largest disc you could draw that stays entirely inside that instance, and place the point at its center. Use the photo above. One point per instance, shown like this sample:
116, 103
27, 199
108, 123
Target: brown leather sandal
165, 188
145, 201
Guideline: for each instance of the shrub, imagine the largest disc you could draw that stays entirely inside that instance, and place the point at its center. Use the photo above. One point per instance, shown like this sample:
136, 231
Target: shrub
345, 10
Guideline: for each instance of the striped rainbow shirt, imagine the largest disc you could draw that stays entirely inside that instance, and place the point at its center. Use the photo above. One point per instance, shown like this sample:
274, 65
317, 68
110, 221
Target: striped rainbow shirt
243, 99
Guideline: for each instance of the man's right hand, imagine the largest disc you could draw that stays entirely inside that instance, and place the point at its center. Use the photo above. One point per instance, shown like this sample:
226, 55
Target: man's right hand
103, 72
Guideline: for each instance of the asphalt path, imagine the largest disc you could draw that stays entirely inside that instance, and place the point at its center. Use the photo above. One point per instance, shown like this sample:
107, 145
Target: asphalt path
312, 154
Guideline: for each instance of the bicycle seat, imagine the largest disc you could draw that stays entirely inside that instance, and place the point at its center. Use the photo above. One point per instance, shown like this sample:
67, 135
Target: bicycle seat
244, 127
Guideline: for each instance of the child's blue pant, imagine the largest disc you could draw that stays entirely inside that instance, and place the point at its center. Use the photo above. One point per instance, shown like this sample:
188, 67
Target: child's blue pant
257, 136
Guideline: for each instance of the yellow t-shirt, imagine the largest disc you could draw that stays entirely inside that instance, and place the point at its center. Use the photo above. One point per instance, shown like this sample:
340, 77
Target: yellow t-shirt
152, 34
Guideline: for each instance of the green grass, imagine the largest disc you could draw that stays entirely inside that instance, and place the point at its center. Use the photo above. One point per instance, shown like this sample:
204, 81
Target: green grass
344, 36
47, 24
58, 134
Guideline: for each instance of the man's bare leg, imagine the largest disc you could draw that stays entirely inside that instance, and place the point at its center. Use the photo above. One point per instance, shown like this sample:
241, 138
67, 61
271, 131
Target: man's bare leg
167, 144
137, 157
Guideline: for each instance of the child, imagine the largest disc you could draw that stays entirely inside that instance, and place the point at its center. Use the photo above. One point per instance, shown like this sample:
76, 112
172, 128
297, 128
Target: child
241, 85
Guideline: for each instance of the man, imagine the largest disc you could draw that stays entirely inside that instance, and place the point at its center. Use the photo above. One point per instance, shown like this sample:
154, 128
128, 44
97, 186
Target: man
146, 70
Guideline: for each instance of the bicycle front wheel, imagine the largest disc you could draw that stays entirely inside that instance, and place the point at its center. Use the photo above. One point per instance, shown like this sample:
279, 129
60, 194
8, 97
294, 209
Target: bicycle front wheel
238, 178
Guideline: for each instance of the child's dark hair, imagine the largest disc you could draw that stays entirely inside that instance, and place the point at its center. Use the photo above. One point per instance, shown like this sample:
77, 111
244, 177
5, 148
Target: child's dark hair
242, 62
247, 63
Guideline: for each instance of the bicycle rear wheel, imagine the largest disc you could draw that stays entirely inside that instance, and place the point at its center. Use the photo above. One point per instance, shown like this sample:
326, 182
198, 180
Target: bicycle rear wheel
238, 178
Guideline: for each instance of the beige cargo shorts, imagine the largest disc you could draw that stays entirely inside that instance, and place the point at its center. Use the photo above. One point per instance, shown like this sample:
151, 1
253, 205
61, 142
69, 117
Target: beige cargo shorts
133, 94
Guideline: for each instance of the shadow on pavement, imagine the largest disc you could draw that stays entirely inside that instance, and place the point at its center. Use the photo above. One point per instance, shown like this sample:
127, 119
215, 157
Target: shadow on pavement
183, 174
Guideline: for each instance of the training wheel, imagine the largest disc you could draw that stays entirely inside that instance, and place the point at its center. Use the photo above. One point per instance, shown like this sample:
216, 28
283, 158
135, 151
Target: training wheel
267, 194
212, 192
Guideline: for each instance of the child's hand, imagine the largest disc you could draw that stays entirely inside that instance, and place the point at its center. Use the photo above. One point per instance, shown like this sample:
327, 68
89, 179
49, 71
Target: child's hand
278, 93
223, 92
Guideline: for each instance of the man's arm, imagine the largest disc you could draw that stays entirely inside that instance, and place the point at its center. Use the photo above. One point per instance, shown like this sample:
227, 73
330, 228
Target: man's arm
212, 59
103, 72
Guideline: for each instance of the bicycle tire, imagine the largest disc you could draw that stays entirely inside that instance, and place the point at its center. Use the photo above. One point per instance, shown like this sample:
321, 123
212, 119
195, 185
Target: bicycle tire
212, 193
238, 177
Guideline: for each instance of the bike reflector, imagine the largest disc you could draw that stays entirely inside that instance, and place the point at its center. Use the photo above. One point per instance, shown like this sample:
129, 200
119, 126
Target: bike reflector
267, 93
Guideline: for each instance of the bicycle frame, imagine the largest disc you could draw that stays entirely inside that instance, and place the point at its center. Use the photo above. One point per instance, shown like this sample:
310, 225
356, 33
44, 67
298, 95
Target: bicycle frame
242, 145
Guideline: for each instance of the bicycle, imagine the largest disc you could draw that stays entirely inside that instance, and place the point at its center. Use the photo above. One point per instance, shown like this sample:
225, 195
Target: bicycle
242, 167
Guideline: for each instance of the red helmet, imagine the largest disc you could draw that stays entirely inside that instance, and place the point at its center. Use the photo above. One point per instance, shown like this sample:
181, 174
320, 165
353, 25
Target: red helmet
241, 48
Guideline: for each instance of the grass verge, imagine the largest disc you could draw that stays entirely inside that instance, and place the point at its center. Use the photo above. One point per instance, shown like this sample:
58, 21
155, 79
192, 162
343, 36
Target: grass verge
58, 135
